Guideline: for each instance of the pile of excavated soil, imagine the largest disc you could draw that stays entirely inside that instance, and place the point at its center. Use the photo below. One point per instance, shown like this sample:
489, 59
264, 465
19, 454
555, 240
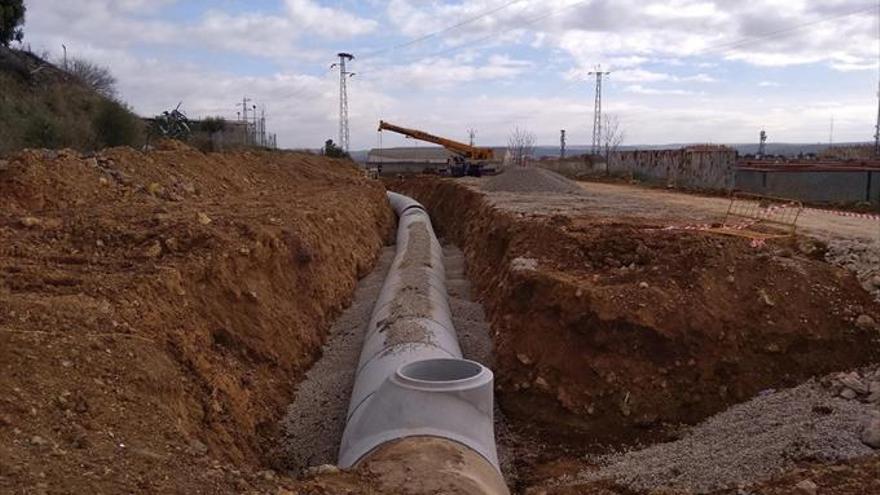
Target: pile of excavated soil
620, 330
157, 310
749, 442
531, 180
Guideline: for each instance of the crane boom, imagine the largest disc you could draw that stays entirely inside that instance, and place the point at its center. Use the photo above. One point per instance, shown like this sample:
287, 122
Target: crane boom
461, 149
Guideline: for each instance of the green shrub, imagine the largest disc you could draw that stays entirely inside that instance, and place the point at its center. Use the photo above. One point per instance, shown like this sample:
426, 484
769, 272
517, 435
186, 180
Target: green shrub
41, 132
116, 125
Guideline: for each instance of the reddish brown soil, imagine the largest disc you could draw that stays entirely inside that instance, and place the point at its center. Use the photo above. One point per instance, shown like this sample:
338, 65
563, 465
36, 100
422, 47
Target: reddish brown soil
591, 350
157, 310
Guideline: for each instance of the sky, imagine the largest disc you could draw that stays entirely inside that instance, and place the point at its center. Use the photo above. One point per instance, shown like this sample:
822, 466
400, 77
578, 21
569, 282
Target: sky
680, 70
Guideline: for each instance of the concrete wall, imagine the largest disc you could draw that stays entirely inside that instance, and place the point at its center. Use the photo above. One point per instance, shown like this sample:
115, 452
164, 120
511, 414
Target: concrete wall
815, 186
691, 168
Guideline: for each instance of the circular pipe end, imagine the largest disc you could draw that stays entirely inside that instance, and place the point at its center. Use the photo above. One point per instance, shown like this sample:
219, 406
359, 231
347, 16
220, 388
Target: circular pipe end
443, 374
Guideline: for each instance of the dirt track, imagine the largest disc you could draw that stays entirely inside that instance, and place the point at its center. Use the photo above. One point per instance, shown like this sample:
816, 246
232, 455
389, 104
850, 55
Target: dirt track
670, 208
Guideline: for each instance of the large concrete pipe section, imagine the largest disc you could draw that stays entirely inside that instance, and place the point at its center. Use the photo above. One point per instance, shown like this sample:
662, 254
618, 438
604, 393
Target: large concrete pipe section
412, 381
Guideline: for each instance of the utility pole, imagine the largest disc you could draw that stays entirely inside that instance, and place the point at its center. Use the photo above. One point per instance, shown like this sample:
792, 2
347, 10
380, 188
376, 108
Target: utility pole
762, 148
562, 144
244, 118
877, 126
831, 133
597, 110
472, 134
343, 98
64, 47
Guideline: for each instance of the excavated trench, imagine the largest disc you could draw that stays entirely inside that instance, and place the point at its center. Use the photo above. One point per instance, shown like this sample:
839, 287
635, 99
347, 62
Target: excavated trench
613, 332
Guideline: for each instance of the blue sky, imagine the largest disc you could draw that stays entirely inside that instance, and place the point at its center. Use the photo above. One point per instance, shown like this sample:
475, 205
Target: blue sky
682, 70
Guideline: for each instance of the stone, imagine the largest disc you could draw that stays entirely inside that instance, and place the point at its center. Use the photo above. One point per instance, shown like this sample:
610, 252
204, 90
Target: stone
153, 250
848, 393
643, 285
38, 440
731, 279
196, 447
865, 322
540, 382
204, 219
322, 469
524, 264
871, 433
30, 222
854, 382
807, 487
524, 359
765, 298
875, 281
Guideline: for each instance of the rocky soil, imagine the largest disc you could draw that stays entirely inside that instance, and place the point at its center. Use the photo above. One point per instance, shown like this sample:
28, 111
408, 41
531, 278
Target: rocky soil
612, 332
860, 257
158, 309
830, 420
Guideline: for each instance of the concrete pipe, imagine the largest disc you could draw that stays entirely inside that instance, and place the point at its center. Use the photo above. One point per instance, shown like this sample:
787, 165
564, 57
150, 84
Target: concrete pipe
411, 380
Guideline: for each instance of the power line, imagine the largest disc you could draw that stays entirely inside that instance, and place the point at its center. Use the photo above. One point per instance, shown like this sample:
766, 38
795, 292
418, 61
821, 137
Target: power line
472, 43
441, 31
725, 47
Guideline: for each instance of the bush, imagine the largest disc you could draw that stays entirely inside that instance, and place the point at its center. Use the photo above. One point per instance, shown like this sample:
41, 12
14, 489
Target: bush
213, 125
97, 77
115, 125
41, 132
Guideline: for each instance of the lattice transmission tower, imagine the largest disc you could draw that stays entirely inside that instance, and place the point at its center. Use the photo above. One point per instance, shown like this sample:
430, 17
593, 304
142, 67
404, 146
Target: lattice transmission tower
344, 134
597, 110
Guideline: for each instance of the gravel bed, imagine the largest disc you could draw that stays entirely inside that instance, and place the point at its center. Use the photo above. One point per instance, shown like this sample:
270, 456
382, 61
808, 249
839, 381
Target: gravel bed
747, 443
476, 344
531, 180
312, 428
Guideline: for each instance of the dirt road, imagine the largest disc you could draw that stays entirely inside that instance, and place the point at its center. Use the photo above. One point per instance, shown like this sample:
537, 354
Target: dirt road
673, 208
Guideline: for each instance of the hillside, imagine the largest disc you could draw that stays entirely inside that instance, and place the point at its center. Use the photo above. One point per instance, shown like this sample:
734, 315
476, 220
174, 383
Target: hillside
41, 106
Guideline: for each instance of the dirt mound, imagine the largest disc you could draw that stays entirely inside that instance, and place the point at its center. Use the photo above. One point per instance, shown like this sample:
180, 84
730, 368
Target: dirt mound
619, 329
157, 310
530, 180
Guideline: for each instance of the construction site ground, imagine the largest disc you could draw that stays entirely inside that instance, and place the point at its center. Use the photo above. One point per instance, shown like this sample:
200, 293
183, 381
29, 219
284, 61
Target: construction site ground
182, 322
618, 327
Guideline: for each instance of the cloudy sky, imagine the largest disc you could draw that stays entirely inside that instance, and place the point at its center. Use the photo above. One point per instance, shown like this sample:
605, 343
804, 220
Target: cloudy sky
682, 70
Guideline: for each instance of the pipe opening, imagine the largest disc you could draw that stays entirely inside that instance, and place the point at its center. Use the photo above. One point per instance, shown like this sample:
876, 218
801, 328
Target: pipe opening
440, 370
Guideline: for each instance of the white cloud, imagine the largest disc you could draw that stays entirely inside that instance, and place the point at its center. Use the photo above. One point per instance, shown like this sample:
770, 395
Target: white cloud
642, 90
325, 21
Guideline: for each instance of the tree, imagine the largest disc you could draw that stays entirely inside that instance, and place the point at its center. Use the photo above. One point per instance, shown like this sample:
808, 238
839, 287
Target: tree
94, 76
334, 151
11, 20
612, 135
521, 146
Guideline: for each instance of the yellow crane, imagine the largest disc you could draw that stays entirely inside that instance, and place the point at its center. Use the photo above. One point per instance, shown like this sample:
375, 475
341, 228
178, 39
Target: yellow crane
466, 159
